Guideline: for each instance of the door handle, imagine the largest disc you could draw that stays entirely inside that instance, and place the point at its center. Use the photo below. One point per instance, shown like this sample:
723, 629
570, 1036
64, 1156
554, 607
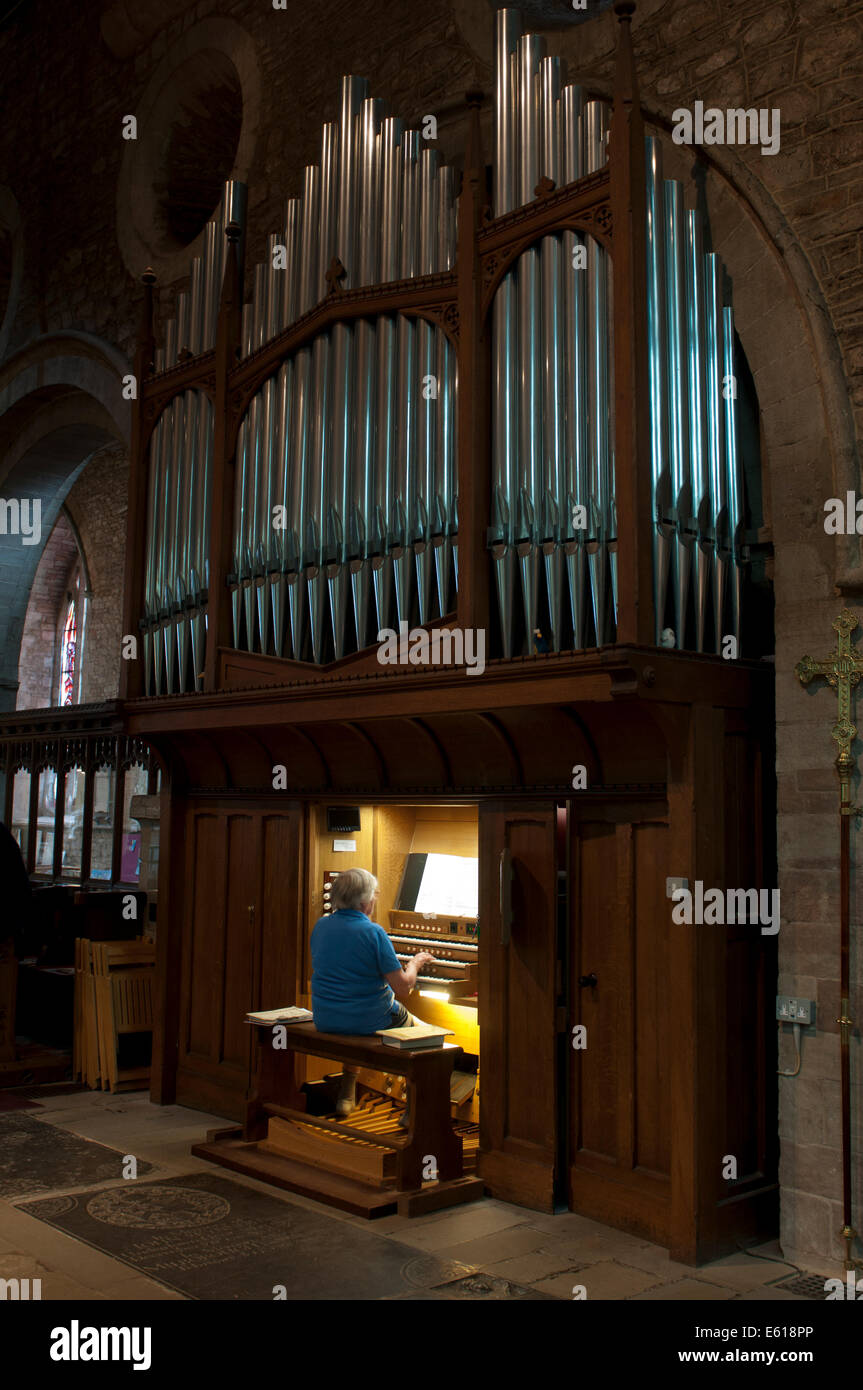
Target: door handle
588, 981
505, 897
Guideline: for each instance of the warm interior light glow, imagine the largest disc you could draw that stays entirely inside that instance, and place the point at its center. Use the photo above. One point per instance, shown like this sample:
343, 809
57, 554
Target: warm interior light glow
434, 994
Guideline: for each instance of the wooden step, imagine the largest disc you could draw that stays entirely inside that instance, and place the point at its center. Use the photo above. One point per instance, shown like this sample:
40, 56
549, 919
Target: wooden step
341, 1192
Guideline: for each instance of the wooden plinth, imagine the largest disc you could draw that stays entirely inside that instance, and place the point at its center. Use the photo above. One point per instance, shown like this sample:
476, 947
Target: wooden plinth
334, 1190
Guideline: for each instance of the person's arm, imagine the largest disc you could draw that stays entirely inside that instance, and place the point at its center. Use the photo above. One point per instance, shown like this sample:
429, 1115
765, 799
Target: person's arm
402, 981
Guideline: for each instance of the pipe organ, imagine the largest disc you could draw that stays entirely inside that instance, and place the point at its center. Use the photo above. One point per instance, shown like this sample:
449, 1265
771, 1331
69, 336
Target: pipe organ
343, 463
553, 429
553, 502
178, 497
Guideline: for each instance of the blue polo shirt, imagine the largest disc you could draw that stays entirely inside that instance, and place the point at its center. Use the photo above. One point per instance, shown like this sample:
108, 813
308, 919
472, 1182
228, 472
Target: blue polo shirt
351, 954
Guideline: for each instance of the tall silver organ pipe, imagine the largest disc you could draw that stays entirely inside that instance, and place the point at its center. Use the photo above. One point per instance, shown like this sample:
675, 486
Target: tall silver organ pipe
736, 501
554, 289
698, 423
444, 524
404, 507
715, 333
657, 347
678, 399
574, 497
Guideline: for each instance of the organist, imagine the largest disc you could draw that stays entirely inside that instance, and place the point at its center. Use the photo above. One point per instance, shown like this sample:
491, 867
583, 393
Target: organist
358, 985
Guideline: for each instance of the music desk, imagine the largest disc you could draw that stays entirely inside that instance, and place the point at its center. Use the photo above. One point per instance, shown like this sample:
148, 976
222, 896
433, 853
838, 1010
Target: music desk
430, 1134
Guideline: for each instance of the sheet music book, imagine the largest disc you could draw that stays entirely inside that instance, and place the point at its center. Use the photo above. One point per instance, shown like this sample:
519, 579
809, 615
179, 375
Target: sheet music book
291, 1014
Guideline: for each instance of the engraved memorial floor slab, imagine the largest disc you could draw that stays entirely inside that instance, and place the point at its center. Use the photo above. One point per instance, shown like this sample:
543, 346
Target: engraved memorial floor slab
210, 1238
36, 1156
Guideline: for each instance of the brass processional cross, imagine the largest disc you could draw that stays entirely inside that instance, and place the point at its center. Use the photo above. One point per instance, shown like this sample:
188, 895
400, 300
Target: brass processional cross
842, 669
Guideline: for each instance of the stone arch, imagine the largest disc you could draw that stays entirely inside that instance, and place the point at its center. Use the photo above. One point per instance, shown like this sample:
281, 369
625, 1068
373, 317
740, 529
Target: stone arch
38, 660
60, 402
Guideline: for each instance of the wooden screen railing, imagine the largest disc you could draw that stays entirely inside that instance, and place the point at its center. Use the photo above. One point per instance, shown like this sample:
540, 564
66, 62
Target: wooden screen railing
66, 775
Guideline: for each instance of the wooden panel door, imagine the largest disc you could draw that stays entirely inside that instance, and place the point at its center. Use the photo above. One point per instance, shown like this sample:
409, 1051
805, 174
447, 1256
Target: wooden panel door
518, 1041
240, 923
620, 1093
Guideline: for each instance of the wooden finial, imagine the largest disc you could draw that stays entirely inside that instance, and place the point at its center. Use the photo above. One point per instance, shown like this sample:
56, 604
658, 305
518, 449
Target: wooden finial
335, 275
625, 9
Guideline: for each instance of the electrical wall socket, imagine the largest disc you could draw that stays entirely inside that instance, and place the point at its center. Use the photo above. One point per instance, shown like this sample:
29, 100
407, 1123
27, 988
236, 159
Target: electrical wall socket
790, 1009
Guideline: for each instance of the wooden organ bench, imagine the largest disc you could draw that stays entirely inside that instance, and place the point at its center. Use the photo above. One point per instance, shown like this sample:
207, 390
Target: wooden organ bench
361, 1170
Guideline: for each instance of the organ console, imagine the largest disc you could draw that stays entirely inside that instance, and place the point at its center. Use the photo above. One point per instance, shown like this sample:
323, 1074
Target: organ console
454, 943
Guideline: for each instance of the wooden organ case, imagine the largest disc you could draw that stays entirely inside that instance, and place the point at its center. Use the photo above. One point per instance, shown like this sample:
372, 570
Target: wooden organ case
270, 544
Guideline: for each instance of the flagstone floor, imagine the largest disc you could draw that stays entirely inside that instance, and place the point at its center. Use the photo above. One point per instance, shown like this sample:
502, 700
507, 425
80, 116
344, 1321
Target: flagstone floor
501, 1251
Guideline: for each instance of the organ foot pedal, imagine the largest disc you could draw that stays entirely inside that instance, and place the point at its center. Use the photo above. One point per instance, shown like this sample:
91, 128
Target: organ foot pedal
365, 1162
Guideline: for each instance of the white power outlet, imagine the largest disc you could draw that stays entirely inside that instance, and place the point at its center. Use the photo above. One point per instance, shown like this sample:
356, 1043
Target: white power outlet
791, 1009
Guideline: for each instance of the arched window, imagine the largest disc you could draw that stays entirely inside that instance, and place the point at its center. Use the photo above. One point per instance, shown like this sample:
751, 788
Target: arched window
69, 655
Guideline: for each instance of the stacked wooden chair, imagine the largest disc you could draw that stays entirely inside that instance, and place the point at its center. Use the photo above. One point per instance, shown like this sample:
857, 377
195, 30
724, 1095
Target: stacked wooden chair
113, 997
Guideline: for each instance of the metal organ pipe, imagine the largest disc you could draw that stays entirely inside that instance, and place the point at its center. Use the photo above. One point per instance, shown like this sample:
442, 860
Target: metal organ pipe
422, 515
698, 455
362, 481
554, 287
678, 400
575, 492
406, 355
354, 93
735, 477
530, 52
601, 514
443, 518
317, 551
389, 178
715, 335
300, 416
283, 559
505, 422
657, 347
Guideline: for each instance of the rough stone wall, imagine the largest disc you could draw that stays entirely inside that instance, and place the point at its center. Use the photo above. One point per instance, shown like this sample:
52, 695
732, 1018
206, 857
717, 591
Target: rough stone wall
62, 156
39, 670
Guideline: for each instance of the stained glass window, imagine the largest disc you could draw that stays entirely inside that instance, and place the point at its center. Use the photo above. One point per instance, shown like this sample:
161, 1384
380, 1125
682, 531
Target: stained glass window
68, 656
